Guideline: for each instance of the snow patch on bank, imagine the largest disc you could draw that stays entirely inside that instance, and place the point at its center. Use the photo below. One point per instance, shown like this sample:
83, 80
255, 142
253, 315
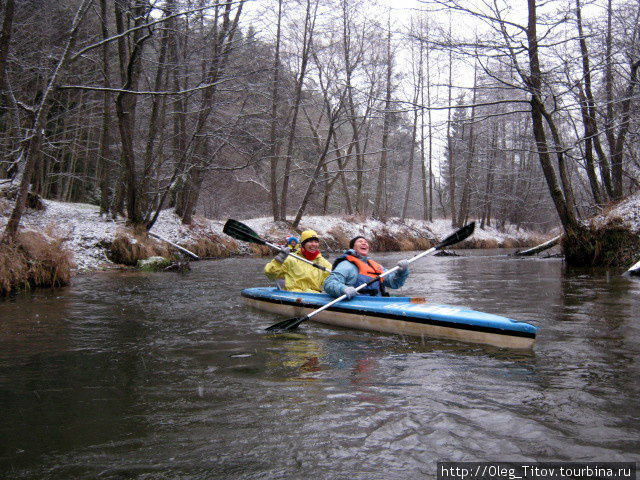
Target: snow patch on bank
85, 231
627, 211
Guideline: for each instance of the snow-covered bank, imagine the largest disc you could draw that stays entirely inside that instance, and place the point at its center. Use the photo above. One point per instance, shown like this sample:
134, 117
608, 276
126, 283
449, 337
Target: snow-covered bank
625, 213
86, 233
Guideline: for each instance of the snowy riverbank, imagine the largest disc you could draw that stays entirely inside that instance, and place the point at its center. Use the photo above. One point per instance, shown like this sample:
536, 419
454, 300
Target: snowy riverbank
86, 233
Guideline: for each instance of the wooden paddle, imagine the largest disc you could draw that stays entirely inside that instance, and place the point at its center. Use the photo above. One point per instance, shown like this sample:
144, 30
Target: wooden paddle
240, 231
455, 237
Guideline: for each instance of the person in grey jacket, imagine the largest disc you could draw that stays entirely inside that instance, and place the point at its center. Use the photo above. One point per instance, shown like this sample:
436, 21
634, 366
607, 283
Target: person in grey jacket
354, 267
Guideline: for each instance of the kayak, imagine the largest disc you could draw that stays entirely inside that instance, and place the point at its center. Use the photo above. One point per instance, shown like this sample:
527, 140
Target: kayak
399, 315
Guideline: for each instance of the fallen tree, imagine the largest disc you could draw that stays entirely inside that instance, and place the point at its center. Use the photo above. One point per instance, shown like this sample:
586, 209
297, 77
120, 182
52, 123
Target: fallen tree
539, 248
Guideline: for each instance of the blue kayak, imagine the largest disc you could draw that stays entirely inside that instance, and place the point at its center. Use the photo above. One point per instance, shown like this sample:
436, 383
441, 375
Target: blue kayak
400, 315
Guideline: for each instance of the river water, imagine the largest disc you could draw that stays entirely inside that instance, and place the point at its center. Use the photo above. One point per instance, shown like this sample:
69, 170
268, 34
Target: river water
169, 376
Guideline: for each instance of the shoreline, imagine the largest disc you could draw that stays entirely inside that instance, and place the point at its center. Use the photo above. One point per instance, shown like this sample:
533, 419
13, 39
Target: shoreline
62, 240
89, 236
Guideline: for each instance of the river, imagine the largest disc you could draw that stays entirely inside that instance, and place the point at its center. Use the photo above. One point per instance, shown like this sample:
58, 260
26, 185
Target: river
169, 376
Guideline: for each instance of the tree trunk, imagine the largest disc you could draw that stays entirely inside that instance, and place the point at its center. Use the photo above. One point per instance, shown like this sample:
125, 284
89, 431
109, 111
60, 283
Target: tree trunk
314, 177
617, 155
5, 40
608, 87
33, 139
273, 136
378, 210
407, 194
427, 194
343, 178
353, 118
309, 24
466, 187
452, 170
130, 64
587, 109
488, 191
223, 36
565, 211
104, 155
157, 106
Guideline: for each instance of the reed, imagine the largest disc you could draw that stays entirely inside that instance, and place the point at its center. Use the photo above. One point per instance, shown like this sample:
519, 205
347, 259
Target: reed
35, 260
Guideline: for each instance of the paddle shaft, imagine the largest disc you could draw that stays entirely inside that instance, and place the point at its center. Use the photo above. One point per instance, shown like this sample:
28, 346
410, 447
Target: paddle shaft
455, 237
273, 245
373, 280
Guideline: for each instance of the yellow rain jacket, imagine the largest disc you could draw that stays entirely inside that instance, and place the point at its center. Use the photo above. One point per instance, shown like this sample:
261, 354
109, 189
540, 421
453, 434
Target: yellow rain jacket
298, 275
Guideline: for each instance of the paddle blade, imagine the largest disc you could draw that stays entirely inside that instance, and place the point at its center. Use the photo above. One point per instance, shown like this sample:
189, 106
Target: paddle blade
457, 236
286, 325
240, 231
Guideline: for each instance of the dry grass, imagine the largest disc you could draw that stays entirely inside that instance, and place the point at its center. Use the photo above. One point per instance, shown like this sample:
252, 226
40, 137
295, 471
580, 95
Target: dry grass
13, 268
34, 261
213, 245
385, 241
422, 243
260, 250
478, 243
336, 239
128, 248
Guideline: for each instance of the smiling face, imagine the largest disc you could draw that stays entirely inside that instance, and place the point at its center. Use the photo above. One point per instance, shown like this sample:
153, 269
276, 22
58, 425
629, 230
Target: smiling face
312, 245
361, 246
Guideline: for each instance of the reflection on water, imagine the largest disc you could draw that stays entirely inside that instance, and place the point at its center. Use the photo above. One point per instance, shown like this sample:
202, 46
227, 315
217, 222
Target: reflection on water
169, 376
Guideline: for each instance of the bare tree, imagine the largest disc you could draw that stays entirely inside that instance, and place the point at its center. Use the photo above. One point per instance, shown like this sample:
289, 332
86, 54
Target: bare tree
273, 139
378, 210
33, 138
5, 39
307, 41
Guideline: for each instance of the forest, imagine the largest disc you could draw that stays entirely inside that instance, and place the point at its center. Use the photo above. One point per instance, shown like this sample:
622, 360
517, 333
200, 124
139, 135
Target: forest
503, 113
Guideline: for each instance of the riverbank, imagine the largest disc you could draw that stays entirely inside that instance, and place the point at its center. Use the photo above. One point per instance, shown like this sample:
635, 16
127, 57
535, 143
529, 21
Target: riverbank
81, 240
97, 242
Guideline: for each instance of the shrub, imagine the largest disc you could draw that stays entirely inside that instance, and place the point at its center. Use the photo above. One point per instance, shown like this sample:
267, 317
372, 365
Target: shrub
34, 261
13, 268
384, 241
261, 250
337, 239
212, 245
127, 249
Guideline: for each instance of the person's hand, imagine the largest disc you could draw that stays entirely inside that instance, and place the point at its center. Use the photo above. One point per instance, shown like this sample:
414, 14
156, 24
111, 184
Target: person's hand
350, 292
403, 265
282, 256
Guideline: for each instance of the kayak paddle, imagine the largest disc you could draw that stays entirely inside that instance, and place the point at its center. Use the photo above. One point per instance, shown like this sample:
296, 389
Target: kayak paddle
455, 237
240, 231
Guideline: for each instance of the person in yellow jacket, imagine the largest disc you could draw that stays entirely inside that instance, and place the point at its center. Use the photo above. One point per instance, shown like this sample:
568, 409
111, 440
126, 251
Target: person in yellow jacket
299, 276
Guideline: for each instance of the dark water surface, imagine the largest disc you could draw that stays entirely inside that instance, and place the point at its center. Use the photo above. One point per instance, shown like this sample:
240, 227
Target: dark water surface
169, 376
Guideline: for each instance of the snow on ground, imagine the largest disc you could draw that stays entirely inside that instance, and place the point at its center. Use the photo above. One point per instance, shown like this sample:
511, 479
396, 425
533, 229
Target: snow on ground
628, 211
85, 231
79, 224
439, 228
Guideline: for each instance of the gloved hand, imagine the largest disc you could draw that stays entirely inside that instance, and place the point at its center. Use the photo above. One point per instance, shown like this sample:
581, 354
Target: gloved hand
403, 265
282, 256
350, 292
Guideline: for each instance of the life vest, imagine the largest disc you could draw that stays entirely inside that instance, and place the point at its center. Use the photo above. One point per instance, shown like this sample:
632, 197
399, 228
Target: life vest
366, 271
